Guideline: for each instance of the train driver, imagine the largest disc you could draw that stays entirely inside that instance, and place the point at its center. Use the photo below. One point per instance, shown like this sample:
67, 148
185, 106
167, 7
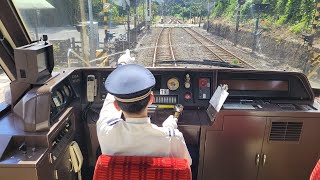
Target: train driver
129, 88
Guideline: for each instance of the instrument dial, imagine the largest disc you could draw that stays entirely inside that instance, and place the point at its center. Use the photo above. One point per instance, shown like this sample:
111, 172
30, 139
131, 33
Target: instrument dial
173, 84
58, 99
187, 85
67, 90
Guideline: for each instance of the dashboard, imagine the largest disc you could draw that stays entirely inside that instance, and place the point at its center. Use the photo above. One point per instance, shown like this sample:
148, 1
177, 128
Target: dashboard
192, 88
187, 88
60, 111
61, 96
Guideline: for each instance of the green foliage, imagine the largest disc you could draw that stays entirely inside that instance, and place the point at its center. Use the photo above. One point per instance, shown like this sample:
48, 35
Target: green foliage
280, 7
295, 14
219, 9
298, 28
281, 20
97, 8
273, 6
293, 11
307, 10
156, 19
246, 10
231, 9
154, 9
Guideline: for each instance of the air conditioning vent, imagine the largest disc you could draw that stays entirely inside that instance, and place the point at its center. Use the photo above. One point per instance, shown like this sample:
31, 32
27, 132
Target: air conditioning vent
285, 131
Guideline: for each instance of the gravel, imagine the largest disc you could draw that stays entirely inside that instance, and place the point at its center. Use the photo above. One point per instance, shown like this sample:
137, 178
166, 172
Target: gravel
185, 48
257, 60
145, 47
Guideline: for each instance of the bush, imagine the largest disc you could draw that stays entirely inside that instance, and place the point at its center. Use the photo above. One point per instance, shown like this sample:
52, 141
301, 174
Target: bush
156, 19
298, 28
282, 20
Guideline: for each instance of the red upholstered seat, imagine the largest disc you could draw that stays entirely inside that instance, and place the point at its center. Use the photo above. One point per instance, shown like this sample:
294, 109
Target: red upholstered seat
137, 167
316, 172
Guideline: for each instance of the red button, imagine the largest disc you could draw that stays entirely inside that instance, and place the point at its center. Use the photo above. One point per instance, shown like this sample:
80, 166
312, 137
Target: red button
187, 96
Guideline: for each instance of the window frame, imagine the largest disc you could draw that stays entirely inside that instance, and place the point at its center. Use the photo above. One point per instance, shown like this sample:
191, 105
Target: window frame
13, 29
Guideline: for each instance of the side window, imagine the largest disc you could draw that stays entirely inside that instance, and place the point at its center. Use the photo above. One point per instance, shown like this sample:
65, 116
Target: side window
4, 85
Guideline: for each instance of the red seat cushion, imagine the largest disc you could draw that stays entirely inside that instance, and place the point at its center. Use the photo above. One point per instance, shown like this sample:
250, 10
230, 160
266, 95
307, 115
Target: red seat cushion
316, 172
137, 167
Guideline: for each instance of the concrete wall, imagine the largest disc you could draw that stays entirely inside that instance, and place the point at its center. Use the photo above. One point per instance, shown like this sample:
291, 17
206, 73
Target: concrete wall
272, 47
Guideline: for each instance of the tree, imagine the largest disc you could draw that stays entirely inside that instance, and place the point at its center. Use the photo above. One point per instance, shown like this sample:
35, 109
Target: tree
293, 11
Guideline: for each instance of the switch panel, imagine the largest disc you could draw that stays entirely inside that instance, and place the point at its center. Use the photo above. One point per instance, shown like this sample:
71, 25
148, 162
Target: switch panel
204, 88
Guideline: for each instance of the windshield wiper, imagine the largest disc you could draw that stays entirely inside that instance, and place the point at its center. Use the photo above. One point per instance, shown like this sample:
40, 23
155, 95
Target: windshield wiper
203, 62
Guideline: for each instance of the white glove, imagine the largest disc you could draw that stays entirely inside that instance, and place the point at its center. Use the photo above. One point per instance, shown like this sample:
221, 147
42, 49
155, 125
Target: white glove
126, 58
170, 122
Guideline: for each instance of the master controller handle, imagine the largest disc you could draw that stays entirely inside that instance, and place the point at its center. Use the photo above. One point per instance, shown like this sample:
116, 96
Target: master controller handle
178, 108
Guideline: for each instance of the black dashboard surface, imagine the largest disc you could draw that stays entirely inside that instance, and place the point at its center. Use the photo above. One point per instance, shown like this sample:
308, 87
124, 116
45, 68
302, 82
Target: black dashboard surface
193, 88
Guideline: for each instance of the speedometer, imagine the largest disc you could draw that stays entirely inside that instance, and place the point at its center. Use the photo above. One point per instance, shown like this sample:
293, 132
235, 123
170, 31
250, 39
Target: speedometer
66, 90
58, 99
173, 84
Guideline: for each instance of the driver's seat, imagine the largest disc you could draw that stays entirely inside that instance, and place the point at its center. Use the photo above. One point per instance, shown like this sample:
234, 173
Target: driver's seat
316, 172
138, 167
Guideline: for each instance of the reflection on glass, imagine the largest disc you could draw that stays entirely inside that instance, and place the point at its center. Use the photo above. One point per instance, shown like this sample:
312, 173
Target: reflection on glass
4, 85
41, 61
264, 36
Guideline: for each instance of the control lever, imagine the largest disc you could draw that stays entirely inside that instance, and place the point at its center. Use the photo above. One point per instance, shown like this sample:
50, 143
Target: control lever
23, 148
178, 108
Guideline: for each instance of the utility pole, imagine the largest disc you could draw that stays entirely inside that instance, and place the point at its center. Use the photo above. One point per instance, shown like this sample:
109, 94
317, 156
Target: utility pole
208, 15
255, 34
83, 30
135, 20
149, 14
92, 50
237, 26
199, 14
199, 17
162, 7
258, 8
143, 11
128, 34
183, 14
240, 3
106, 7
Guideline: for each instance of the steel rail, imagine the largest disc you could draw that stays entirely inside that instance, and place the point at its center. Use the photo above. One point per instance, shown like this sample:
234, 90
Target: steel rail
220, 48
156, 51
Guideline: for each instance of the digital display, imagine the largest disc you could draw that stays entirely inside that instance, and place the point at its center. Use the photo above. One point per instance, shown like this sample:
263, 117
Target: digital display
256, 85
41, 61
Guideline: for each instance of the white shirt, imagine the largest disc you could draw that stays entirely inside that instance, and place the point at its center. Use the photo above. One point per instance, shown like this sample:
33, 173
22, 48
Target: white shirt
137, 136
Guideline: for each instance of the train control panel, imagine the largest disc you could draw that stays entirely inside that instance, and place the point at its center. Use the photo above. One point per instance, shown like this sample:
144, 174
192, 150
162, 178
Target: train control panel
193, 89
259, 104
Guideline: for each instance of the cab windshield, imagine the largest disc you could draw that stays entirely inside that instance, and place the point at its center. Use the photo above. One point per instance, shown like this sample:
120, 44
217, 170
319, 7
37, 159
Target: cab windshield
252, 34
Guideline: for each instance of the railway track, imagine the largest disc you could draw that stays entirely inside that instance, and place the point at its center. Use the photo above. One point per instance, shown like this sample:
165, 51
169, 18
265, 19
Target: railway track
163, 53
163, 50
217, 52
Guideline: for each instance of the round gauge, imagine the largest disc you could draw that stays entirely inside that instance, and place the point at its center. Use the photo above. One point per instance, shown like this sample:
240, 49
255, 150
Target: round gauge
173, 84
187, 85
66, 90
60, 97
